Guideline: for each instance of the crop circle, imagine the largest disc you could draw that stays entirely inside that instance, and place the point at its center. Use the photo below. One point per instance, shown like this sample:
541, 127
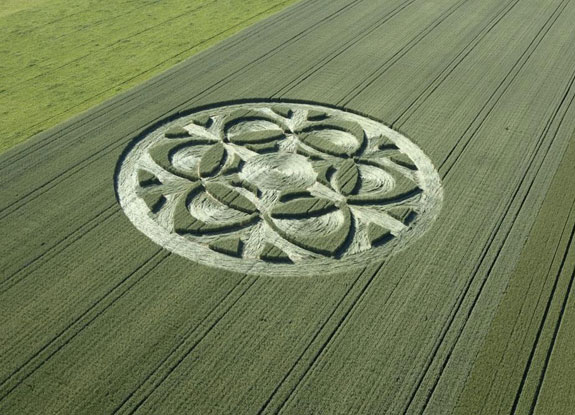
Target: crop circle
278, 188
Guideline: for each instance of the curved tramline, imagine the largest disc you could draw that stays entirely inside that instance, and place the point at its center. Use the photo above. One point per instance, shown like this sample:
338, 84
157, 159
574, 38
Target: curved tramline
278, 188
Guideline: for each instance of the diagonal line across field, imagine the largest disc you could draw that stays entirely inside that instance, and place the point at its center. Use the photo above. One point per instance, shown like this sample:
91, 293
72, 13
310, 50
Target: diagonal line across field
159, 81
17, 377
497, 248
83, 163
371, 29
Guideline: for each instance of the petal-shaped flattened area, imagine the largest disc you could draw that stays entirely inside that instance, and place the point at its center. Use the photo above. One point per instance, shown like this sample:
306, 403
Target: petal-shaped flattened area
250, 127
256, 131
181, 159
330, 141
185, 159
206, 208
279, 171
403, 189
324, 234
199, 214
230, 197
302, 208
212, 160
162, 156
347, 177
335, 137
374, 179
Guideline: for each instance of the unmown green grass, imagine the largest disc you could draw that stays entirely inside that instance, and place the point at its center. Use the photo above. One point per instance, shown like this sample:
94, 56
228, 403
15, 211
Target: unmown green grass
59, 58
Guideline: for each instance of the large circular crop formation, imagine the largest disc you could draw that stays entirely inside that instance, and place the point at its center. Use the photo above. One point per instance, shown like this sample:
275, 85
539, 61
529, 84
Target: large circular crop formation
278, 188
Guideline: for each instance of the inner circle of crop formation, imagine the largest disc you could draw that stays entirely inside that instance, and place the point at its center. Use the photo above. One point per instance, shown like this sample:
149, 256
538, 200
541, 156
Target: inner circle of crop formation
278, 188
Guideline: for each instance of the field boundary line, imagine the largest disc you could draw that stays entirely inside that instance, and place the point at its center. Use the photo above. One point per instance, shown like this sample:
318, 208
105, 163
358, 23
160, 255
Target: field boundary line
114, 145
54, 133
115, 86
122, 99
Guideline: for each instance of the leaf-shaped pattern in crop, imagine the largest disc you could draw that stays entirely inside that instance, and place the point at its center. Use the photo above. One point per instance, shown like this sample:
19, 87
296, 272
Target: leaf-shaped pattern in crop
212, 160
252, 128
347, 177
403, 189
168, 156
293, 193
301, 208
279, 185
337, 138
326, 240
230, 197
375, 180
185, 222
332, 141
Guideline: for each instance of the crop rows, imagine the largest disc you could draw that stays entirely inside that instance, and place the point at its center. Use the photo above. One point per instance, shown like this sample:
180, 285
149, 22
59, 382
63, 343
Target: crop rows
473, 317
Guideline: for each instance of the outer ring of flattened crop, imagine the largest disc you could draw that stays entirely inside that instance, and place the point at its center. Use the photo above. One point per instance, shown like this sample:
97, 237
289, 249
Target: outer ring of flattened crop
136, 210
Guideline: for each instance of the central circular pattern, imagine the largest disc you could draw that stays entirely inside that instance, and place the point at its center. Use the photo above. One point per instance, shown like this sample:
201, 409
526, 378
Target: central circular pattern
278, 188
278, 171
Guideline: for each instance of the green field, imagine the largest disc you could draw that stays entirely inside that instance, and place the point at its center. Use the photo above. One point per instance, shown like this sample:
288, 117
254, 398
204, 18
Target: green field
59, 58
349, 207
